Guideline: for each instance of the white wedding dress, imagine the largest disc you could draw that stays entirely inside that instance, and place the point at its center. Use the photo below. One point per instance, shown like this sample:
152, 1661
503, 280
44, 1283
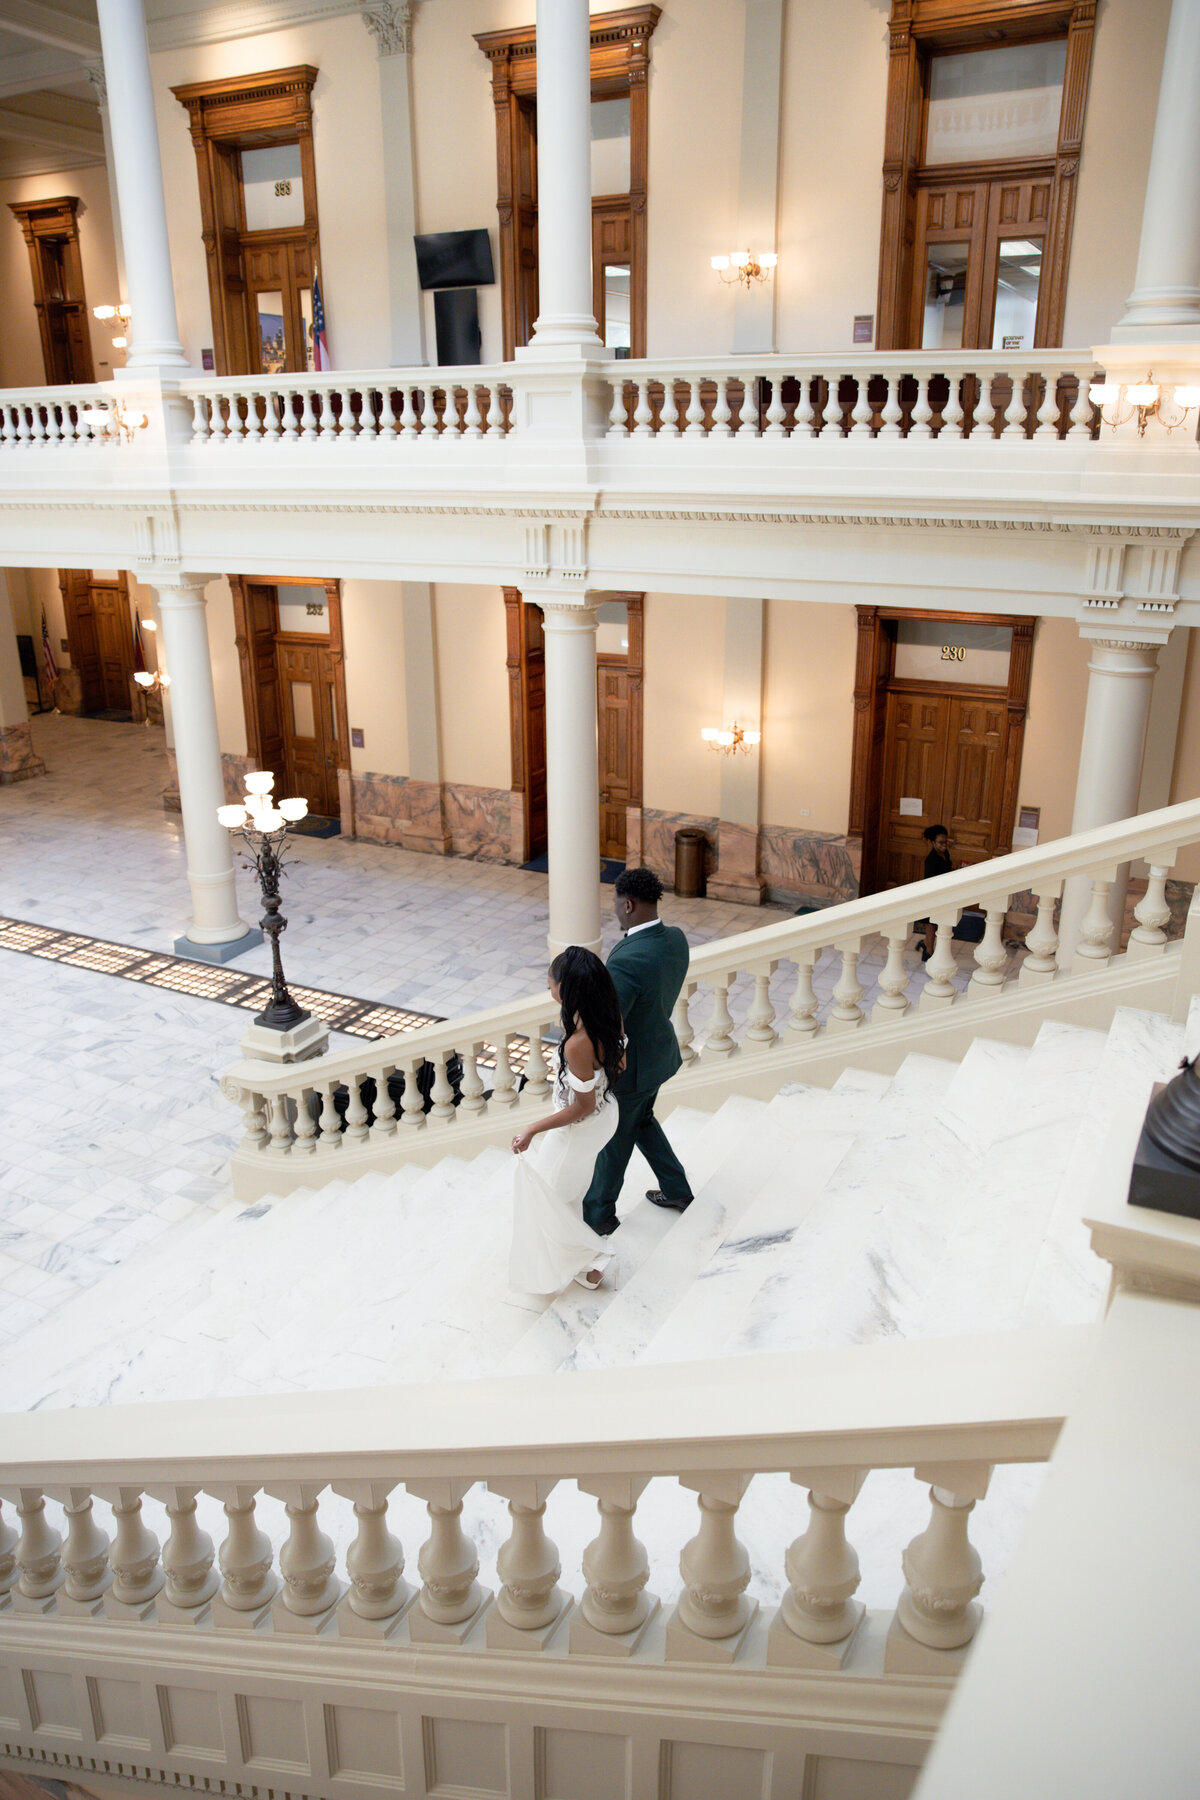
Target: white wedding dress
551, 1243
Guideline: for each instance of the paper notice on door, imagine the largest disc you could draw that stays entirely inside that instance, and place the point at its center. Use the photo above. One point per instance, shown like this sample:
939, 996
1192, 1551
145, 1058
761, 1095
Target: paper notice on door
1024, 837
911, 809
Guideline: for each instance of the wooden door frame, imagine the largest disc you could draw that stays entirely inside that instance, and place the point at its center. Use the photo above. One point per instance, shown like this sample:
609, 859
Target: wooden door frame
56, 218
247, 112
872, 679
620, 44
635, 664
334, 643
917, 29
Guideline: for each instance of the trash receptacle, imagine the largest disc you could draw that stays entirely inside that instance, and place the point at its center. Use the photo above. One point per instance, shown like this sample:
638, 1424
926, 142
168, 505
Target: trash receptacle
690, 845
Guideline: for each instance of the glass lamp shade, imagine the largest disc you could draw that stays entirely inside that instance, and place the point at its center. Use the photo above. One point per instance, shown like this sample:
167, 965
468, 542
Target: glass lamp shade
1187, 397
164, 680
231, 816
270, 820
259, 781
752, 737
768, 260
120, 343
293, 809
740, 258
142, 678
104, 312
710, 734
720, 262
1104, 393
149, 625
1142, 393
725, 739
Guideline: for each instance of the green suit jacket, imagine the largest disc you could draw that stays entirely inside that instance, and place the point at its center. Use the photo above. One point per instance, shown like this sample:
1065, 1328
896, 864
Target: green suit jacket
648, 969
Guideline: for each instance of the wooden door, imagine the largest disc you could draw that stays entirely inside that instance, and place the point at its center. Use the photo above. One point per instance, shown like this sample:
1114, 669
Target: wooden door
81, 637
535, 730
914, 765
616, 759
951, 238
309, 724
114, 645
973, 788
258, 652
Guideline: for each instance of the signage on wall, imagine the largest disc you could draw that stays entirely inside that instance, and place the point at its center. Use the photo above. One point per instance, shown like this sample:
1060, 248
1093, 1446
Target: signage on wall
356, 739
208, 361
314, 609
282, 189
1025, 832
864, 327
954, 653
1012, 343
911, 809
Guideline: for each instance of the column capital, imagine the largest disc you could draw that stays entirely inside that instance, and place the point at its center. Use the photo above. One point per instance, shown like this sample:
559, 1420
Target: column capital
1104, 635
95, 74
178, 590
390, 24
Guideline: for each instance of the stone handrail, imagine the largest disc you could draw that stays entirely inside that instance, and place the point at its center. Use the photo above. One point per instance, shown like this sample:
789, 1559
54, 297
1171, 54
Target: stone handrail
442, 1077
947, 1410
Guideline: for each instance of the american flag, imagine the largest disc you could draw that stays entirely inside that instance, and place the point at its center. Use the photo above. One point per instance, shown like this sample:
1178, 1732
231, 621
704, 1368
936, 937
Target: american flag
139, 645
47, 653
321, 357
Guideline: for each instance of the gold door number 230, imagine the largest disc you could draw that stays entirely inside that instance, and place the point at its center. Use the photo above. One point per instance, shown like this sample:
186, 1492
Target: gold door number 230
954, 653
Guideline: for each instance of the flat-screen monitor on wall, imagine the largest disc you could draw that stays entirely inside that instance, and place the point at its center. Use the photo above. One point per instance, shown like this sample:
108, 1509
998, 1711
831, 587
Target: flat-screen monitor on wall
454, 259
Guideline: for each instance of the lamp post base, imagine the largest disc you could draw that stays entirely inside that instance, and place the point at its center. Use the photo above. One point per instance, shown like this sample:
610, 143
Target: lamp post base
218, 953
264, 1044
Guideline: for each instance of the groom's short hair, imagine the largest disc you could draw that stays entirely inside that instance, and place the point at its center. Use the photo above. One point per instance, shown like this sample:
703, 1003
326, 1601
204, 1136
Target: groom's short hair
642, 885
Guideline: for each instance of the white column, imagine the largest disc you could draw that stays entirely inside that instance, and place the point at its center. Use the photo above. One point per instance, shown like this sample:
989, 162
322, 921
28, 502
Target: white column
1120, 685
572, 771
154, 335
95, 74
564, 99
1164, 306
758, 176
390, 23
737, 876
185, 654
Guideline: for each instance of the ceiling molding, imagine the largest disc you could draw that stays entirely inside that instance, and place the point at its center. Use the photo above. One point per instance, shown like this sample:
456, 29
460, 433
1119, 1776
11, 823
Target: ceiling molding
45, 24
241, 18
34, 69
52, 134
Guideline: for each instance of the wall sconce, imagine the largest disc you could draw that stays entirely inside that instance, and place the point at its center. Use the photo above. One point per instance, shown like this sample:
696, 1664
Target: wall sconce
1119, 402
732, 739
112, 417
151, 682
739, 265
122, 314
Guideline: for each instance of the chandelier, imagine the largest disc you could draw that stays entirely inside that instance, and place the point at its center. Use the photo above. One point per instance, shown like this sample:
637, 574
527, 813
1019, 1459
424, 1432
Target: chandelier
731, 738
739, 265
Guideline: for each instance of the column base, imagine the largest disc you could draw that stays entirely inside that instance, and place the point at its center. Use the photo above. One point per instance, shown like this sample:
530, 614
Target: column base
585, 1640
17, 759
503, 1636
302, 1624
308, 1039
903, 1655
37, 1604
738, 893
227, 1618
167, 1613
218, 953
79, 1609
787, 1651
374, 1631
686, 1645
124, 1612
424, 1630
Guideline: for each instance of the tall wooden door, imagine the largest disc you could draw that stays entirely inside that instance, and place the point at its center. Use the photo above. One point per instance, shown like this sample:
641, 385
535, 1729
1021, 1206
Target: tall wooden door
944, 763
100, 636
81, 637
309, 709
616, 752
257, 646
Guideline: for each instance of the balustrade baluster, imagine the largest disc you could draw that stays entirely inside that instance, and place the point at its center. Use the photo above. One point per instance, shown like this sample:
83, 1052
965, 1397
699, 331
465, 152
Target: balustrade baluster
8, 427
307, 1562
308, 416
37, 1554
351, 425
384, 1108
378, 1594
504, 1082
643, 415
668, 412
722, 411
472, 417
23, 433
818, 1616
1083, 411
846, 1014
84, 1556
134, 1557
802, 1015
695, 409
281, 1126
248, 1582
254, 1126
713, 1612
451, 1598
952, 411
305, 1142
991, 958
776, 411
37, 425
861, 413
254, 427
1041, 942
288, 420
919, 419
71, 429
529, 1603
1047, 412
331, 1126
894, 977
199, 416
1094, 949
682, 1023
8, 1558
188, 1560
804, 413
940, 970
832, 413
937, 1610
471, 1086
429, 414
615, 1610
273, 402
54, 422
536, 1092
239, 406
719, 1041
407, 427
760, 1027
892, 412
357, 1130
618, 425
1152, 912
442, 1093
1014, 412
412, 1101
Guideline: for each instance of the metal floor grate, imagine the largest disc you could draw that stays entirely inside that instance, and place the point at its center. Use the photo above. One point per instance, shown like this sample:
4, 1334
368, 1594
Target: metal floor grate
206, 981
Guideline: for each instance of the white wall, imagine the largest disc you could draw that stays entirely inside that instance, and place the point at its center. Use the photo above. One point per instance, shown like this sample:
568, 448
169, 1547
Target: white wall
20, 342
373, 633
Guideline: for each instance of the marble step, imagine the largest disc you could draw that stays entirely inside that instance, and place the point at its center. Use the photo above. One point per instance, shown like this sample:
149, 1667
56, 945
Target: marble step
1069, 1281
743, 1147
793, 1306
822, 1125
568, 1318
984, 1276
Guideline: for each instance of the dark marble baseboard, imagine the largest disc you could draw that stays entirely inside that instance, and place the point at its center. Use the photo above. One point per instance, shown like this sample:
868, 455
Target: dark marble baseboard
439, 818
817, 867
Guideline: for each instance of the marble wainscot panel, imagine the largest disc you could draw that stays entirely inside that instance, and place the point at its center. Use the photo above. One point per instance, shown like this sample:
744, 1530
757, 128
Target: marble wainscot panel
391, 809
736, 877
658, 840
233, 770
478, 821
812, 865
633, 837
17, 759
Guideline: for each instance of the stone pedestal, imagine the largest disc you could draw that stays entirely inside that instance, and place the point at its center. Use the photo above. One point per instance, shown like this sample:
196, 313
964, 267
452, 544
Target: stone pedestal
787, 1651
17, 759
686, 1645
68, 692
308, 1039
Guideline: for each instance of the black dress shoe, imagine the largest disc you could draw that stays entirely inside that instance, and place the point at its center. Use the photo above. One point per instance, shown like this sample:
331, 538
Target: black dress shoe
656, 1197
607, 1229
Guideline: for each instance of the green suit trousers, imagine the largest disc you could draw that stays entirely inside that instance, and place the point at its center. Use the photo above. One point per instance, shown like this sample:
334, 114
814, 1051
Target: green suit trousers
637, 1128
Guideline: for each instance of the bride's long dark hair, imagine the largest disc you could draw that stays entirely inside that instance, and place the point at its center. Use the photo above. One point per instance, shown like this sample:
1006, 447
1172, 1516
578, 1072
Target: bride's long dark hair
589, 998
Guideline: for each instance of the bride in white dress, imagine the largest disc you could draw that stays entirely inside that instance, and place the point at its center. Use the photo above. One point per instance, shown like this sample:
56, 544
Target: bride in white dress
551, 1245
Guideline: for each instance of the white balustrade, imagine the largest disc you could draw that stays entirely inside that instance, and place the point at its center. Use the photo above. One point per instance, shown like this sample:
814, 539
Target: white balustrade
1096, 928
248, 1580
38, 1549
818, 1607
615, 1567
8, 1555
448, 1564
307, 1562
188, 1556
529, 1601
715, 1568
85, 1552
942, 1574
378, 1592
846, 1013
1041, 943
942, 967
134, 1555
1152, 912
991, 958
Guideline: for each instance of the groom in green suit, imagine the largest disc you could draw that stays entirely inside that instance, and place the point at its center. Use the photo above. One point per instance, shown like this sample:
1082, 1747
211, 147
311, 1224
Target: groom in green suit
648, 966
